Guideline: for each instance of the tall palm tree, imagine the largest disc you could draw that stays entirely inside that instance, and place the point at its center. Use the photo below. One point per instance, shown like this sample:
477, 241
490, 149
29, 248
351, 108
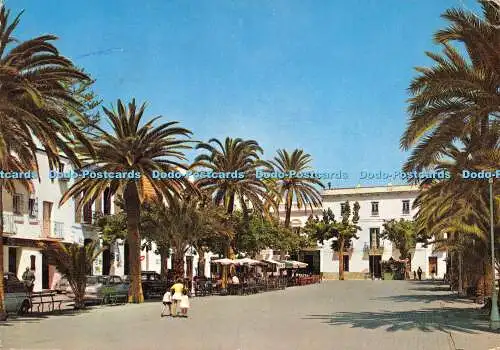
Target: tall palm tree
34, 106
240, 157
458, 96
130, 147
303, 189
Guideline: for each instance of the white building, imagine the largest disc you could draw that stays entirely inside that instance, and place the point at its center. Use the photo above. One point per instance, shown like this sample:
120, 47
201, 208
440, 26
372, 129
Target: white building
376, 205
31, 218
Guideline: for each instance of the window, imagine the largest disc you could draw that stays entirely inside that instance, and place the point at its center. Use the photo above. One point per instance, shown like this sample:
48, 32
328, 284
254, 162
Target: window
107, 202
375, 208
17, 203
374, 237
346, 263
343, 208
33, 207
406, 207
32, 262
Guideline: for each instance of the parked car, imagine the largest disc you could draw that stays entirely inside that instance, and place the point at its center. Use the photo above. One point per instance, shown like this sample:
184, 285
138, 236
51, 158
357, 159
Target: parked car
62, 285
153, 285
101, 287
16, 294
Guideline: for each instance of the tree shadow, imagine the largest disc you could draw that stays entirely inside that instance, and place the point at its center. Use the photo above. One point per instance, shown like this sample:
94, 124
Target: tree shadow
425, 320
36, 317
424, 298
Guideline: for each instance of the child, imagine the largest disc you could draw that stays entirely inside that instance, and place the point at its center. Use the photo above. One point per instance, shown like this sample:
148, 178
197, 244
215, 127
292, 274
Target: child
167, 302
184, 304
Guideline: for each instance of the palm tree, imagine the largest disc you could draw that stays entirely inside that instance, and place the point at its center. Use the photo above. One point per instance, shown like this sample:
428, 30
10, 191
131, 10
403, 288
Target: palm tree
458, 96
303, 189
239, 157
73, 261
34, 106
138, 151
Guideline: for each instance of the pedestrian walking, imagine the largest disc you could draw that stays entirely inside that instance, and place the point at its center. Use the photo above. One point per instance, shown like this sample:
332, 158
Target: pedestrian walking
184, 303
176, 291
167, 303
419, 273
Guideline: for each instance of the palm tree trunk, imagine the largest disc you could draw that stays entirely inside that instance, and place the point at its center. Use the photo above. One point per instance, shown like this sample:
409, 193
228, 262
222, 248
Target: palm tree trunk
178, 265
341, 260
3, 314
164, 264
132, 209
288, 212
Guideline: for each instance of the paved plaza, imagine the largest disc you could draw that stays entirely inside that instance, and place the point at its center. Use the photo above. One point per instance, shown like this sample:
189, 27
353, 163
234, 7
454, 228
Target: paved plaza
344, 315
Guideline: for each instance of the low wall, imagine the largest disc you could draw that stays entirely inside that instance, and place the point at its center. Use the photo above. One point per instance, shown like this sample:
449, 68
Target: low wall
331, 276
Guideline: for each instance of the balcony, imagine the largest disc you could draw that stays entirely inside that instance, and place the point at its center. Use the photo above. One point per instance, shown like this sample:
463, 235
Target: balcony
57, 230
373, 250
9, 225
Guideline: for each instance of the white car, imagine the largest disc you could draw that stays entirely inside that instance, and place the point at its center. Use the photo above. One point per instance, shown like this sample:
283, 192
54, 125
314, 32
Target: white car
16, 296
99, 287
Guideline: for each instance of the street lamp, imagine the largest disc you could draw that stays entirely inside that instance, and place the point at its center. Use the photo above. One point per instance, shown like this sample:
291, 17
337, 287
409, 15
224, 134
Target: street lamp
494, 317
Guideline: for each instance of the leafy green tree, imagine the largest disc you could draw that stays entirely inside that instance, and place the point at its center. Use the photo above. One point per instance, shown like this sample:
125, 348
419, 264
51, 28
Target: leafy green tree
402, 233
340, 232
185, 223
258, 233
134, 149
34, 105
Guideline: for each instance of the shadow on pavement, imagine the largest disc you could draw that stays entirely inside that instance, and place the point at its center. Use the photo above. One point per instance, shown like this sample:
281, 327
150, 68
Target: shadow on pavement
424, 298
39, 316
426, 320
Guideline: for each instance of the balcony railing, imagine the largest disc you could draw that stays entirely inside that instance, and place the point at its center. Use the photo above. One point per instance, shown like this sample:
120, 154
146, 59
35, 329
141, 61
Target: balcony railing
373, 250
9, 226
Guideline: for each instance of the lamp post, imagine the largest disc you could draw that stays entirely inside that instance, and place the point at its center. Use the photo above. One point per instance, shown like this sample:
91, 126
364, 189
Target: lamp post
494, 317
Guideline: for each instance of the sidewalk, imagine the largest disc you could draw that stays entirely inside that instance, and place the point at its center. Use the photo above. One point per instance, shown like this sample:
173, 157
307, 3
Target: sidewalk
468, 326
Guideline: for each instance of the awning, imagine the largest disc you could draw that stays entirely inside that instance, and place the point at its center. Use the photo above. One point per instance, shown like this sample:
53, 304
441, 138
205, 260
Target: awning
291, 264
274, 262
247, 261
224, 261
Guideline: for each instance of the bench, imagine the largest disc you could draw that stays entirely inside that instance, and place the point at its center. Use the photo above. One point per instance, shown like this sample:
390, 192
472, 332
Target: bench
40, 299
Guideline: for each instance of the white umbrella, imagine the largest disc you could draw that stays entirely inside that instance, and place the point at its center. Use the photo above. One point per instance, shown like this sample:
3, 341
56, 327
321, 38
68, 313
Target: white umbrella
294, 264
247, 261
224, 261
274, 262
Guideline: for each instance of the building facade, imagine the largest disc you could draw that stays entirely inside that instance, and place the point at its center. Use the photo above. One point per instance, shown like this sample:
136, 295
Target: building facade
377, 204
32, 217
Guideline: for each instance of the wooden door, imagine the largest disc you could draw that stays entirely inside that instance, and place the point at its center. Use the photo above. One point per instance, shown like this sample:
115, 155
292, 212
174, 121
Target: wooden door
47, 213
433, 266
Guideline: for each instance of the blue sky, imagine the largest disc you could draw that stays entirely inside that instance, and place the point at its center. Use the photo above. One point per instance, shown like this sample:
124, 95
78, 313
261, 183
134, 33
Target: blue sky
326, 76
